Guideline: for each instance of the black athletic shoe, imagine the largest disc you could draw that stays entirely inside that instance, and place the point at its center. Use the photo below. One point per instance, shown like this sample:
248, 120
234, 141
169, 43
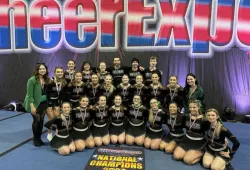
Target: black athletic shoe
229, 167
36, 143
40, 141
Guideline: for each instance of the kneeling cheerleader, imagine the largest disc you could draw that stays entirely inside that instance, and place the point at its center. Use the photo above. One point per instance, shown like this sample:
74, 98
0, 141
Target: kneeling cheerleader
82, 118
62, 140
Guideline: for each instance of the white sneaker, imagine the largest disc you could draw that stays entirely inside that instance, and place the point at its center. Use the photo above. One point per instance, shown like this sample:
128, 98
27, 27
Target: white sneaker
49, 136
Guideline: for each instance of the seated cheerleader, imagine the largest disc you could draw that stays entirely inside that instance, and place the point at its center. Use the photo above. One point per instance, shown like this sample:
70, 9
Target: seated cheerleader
218, 154
192, 147
82, 118
100, 126
175, 122
137, 117
117, 128
154, 132
62, 140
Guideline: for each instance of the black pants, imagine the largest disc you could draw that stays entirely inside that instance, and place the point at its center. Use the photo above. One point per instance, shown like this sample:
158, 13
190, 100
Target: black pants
37, 125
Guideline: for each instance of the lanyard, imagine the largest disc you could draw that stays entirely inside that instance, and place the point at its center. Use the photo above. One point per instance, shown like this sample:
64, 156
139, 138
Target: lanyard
138, 93
101, 113
191, 124
172, 94
136, 111
117, 113
155, 116
67, 122
83, 117
58, 88
78, 89
213, 134
173, 122
124, 91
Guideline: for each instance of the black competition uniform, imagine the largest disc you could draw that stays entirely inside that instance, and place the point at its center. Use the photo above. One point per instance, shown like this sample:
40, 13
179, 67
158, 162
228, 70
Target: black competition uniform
175, 95
157, 93
82, 119
175, 125
108, 93
63, 127
93, 93
194, 138
117, 74
56, 93
216, 144
141, 91
154, 131
86, 77
137, 117
74, 93
102, 75
100, 126
69, 76
125, 93
132, 75
117, 120
148, 74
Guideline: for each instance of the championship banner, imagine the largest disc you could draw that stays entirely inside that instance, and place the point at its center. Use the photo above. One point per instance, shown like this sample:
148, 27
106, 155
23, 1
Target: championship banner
116, 158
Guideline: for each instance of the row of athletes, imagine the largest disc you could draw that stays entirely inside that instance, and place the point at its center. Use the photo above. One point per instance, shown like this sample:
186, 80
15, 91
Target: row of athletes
192, 89
117, 71
204, 137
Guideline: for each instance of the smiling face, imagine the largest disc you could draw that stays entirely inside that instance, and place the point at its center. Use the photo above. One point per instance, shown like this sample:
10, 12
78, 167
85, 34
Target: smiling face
117, 62
84, 102
155, 78
86, 67
78, 77
42, 70
108, 80
66, 108
194, 108
173, 108
137, 100
212, 116
135, 64
154, 104
152, 62
102, 66
118, 100
102, 101
125, 79
172, 81
139, 79
59, 73
94, 79
71, 65
191, 80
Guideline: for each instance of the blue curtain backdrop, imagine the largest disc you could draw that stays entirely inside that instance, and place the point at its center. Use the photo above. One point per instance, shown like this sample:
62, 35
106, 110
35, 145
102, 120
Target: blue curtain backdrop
224, 77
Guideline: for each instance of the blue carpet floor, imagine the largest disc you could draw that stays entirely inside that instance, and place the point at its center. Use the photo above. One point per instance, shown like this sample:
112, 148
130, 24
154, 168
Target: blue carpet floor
7, 114
29, 157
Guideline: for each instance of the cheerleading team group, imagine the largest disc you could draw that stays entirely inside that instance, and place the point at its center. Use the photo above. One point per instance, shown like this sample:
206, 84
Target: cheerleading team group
127, 105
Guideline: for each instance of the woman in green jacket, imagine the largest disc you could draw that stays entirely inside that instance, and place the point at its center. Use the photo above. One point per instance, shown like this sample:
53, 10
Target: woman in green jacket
193, 91
35, 101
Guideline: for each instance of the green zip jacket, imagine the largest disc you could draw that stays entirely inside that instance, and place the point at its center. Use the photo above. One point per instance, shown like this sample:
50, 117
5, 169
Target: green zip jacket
34, 94
197, 95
